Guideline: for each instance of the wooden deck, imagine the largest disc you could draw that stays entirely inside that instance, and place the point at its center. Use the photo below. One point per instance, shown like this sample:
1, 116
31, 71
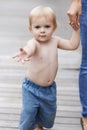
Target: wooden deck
13, 34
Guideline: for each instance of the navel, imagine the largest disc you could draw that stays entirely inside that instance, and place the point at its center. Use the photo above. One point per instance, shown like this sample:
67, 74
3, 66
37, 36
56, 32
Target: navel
49, 81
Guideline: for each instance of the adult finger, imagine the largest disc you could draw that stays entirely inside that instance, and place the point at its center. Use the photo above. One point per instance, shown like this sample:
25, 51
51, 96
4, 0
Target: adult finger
78, 19
73, 21
72, 18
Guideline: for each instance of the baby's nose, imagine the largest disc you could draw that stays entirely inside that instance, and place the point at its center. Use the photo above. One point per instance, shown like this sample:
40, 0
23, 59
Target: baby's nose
42, 29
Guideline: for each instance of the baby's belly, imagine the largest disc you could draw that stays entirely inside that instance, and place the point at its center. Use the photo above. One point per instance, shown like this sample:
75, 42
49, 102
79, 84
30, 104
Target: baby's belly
44, 78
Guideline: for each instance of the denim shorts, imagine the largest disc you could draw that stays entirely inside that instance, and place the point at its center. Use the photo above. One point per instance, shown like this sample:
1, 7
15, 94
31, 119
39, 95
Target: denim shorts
39, 105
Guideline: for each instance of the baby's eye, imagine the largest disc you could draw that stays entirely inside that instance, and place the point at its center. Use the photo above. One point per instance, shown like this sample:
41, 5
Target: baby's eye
47, 26
37, 27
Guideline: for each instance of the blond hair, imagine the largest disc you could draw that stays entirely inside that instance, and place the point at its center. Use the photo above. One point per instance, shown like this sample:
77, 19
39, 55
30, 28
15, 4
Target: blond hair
40, 11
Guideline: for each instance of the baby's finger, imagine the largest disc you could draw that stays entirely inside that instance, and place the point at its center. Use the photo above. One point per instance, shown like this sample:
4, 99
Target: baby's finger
20, 58
23, 61
75, 26
15, 56
27, 59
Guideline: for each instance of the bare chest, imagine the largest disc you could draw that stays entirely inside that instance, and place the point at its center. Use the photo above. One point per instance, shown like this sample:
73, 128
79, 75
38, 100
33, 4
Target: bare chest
47, 52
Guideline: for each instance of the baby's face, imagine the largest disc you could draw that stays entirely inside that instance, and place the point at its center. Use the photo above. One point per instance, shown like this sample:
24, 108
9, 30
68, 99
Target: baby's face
42, 28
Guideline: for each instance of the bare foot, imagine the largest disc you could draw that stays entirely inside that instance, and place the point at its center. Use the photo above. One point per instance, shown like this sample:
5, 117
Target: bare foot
39, 127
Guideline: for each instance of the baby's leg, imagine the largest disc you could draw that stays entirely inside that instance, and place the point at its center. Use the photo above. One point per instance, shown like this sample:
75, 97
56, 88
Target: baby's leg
29, 111
39, 127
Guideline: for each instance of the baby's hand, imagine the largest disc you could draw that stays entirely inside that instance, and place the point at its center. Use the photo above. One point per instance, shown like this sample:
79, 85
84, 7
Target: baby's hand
21, 56
74, 26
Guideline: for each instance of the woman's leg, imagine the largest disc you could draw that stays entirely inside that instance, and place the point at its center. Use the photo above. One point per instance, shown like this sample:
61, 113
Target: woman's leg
83, 68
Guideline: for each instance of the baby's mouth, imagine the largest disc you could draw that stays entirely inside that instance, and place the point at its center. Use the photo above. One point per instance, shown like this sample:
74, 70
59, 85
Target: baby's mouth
42, 35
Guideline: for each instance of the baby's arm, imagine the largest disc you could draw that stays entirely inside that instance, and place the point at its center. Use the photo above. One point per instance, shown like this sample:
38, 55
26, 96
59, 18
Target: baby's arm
26, 52
71, 44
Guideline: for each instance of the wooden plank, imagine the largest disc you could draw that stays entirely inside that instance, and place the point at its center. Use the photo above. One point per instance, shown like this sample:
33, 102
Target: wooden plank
66, 127
8, 123
9, 117
5, 128
9, 110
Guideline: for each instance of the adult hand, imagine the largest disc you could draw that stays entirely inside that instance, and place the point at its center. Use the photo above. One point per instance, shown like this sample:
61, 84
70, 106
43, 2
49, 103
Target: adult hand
74, 13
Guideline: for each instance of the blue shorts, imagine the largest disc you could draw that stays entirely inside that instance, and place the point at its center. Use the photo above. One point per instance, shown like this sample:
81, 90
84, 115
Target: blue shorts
39, 105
